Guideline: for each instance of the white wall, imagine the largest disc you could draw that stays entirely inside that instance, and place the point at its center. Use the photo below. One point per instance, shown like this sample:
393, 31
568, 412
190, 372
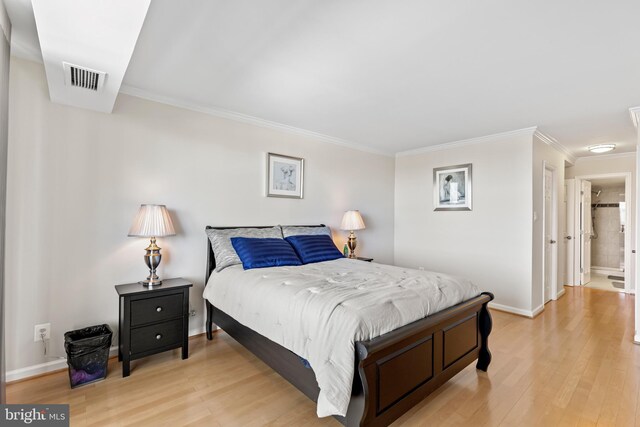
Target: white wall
636, 272
603, 164
491, 244
76, 179
5, 47
542, 153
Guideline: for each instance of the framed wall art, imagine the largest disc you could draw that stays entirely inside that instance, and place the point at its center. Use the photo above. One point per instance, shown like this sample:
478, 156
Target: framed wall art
285, 176
452, 188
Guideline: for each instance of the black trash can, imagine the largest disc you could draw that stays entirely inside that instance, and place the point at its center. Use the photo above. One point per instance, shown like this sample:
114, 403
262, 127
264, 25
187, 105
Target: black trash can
87, 354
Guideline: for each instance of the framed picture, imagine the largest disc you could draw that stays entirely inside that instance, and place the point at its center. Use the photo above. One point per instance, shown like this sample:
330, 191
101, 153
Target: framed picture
285, 176
452, 188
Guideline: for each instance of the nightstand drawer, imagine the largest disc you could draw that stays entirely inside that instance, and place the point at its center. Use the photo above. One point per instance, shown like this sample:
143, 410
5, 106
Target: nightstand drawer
156, 309
156, 336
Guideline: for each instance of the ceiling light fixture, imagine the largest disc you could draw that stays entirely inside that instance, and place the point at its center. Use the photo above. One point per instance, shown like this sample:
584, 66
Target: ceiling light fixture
601, 148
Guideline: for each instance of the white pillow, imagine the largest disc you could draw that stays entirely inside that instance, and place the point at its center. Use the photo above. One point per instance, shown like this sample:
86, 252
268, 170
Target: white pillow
288, 231
223, 250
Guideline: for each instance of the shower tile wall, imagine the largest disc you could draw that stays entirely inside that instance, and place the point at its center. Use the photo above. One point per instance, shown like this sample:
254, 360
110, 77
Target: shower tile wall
606, 249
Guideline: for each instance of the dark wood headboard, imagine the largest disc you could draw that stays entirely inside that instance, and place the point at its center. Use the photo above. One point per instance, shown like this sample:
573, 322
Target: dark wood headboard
211, 260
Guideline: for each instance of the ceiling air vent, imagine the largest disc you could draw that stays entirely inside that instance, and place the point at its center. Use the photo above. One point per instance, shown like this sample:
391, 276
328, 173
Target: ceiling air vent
82, 77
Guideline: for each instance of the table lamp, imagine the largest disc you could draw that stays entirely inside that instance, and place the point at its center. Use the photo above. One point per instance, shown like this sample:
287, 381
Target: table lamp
152, 221
351, 221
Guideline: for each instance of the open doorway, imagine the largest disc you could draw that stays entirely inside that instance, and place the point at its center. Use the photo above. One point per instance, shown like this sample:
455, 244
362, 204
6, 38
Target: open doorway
608, 224
598, 248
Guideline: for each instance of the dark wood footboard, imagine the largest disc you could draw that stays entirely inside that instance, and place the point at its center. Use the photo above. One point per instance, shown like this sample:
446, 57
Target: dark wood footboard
396, 370
402, 367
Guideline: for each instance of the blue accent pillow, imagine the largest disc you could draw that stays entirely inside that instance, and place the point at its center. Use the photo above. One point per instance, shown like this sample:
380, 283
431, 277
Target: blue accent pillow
260, 253
314, 248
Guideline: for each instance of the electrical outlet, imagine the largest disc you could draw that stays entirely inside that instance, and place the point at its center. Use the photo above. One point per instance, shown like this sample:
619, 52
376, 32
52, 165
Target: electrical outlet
193, 313
38, 330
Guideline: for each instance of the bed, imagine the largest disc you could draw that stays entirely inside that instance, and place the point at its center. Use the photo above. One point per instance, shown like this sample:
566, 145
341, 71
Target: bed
393, 371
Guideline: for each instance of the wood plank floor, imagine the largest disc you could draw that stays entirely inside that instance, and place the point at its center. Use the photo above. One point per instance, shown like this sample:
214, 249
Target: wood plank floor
574, 365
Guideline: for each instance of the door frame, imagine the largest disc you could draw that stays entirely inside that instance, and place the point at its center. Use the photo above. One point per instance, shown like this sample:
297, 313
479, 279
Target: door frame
629, 230
546, 166
585, 234
569, 237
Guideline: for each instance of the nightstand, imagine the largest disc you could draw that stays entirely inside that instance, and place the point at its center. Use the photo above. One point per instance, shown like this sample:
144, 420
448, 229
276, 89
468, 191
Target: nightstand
364, 259
152, 320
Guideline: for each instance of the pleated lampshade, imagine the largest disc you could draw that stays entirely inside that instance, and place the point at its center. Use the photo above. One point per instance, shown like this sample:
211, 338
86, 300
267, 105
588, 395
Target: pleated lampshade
152, 221
352, 220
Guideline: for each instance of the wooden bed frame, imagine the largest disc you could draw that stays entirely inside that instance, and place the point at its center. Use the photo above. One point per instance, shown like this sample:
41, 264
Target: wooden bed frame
393, 372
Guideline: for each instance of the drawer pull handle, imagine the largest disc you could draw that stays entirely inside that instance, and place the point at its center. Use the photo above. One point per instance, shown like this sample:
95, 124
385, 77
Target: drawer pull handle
158, 309
159, 336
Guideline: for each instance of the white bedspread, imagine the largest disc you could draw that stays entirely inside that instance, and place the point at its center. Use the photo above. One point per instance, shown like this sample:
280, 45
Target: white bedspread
319, 310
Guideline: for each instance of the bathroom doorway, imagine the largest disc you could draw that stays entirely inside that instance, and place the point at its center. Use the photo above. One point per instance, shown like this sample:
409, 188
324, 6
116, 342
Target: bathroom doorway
601, 249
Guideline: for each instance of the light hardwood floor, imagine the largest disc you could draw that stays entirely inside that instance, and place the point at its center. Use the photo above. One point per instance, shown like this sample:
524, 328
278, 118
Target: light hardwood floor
574, 365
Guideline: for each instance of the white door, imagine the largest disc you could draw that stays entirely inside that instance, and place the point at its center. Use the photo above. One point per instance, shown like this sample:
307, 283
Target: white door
570, 210
549, 235
585, 232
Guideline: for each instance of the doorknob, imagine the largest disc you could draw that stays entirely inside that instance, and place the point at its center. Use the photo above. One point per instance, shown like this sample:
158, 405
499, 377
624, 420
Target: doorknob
552, 241
568, 237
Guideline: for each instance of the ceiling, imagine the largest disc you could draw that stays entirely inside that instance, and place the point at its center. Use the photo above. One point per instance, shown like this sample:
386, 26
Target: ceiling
392, 76
92, 40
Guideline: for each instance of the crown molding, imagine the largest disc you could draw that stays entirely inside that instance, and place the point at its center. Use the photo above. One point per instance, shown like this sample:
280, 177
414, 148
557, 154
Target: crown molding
634, 112
244, 118
465, 142
606, 156
5, 22
551, 141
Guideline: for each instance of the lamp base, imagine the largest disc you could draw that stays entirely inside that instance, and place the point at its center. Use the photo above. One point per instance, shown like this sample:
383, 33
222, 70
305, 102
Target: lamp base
152, 258
352, 243
150, 283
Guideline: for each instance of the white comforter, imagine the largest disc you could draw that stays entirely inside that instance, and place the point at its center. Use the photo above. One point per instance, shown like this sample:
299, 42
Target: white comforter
319, 310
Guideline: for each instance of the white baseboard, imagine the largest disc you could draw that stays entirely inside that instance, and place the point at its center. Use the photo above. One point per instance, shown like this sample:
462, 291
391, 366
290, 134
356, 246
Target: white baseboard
537, 311
197, 331
61, 363
518, 311
559, 294
31, 371
43, 368
636, 338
